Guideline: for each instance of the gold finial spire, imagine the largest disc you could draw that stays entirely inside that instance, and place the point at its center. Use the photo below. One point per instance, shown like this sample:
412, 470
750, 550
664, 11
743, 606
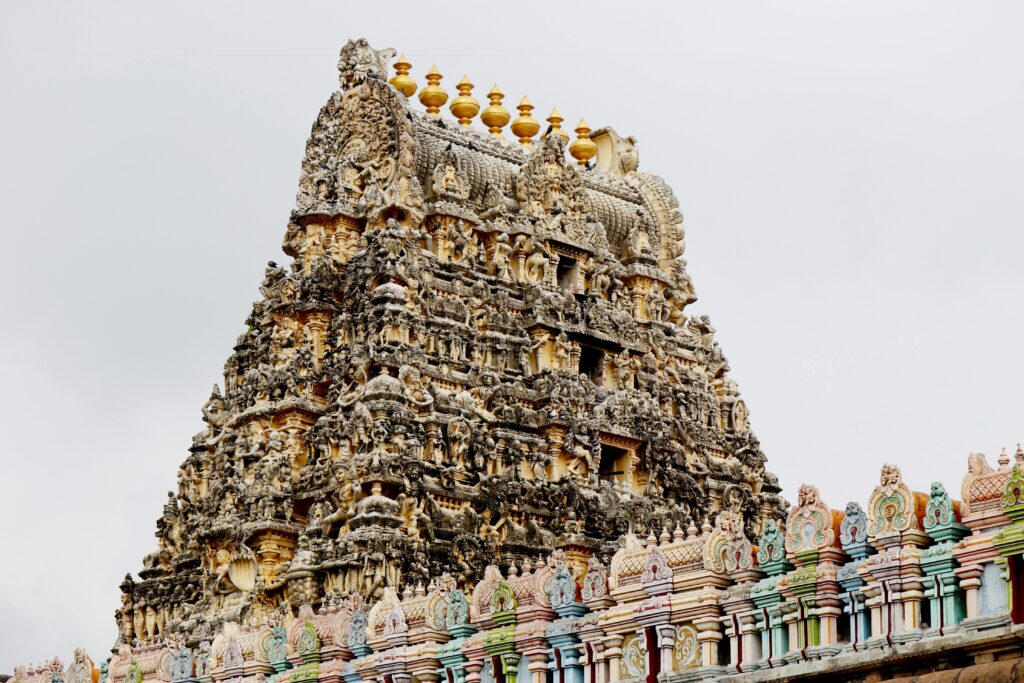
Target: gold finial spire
525, 126
402, 81
495, 116
582, 148
433, 96
555, 119
464, 106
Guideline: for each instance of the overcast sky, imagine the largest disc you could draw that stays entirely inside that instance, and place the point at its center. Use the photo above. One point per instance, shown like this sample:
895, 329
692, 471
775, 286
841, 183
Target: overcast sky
850, 174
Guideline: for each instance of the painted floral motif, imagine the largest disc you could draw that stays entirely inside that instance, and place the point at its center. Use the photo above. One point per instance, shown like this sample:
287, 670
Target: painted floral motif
686, 651
633, 663
355, 631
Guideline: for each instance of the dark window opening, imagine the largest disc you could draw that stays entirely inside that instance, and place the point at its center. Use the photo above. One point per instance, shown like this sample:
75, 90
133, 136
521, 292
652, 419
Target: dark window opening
568, 270
843, 628
592, 364
926, 613
724, 656
614, 461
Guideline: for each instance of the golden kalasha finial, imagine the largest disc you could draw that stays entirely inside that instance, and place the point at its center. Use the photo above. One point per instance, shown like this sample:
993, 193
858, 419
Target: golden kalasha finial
495, 116
464, 106
402, 81
433, 96
555, 120
525, 126
582, 148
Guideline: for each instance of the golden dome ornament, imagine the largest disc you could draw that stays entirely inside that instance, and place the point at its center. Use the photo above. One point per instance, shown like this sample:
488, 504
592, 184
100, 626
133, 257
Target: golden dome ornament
555, 121
402, 81
495, 116
464, 107
583, 149
433, 96
525, 126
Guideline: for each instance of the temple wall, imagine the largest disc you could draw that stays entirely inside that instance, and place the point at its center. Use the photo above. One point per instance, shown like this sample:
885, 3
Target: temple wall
857, 594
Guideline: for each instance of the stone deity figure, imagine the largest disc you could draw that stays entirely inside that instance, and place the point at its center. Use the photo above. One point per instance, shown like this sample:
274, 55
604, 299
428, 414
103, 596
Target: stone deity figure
638, 240
502, 266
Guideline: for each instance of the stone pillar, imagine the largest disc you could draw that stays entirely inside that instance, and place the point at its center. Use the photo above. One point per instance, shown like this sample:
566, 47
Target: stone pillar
666, 643
538, 665
829, 612
612, 653
510, 666
708, 635
600, 664
751, 638
473, 668
970, 581
572, 672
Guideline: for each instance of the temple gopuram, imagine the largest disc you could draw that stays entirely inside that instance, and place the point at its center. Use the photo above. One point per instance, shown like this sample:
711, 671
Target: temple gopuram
471, 434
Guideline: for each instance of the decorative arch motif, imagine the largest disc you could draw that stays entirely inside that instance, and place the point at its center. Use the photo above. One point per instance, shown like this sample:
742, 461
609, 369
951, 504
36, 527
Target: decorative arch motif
854, 527
809, 524
360, 153
561, 587
771, 545
939, 511
891, 506
1013, 492
727, 549
548, 185
504, 598
595, 582
656, 567
308, 641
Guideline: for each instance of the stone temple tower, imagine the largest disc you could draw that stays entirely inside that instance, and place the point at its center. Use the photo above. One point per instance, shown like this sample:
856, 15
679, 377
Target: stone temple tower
478, 353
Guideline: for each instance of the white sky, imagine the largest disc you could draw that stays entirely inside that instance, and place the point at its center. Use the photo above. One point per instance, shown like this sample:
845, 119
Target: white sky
850, 175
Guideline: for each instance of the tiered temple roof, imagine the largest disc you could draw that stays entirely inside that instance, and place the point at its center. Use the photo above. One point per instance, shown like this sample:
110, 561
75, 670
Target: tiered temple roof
472, 433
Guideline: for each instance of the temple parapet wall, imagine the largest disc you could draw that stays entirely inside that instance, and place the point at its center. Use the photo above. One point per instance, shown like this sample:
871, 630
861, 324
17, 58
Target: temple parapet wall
915, 575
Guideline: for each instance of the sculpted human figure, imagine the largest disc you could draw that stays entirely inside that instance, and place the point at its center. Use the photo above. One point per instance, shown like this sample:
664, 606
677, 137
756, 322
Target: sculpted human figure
580, 462
525, 355
623, 364
638, 240
656, 304
537, 264
562, 351
354, 169
500, 263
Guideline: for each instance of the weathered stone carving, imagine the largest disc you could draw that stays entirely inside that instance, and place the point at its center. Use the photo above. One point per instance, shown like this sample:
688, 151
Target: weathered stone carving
477, 354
